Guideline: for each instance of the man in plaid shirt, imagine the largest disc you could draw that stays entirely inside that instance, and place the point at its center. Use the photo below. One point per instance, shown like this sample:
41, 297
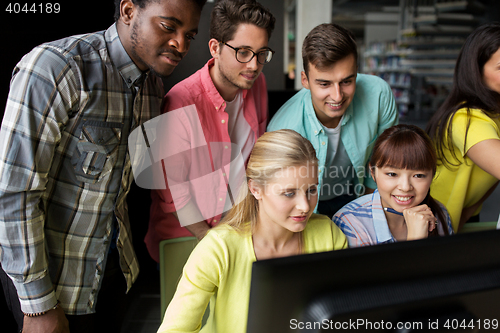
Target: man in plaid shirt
65, 242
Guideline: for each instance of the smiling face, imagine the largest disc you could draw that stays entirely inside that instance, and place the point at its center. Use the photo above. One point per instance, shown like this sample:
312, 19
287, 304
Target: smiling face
402, 188
332, 89
491, 72
228, 74
158, 36
287, 202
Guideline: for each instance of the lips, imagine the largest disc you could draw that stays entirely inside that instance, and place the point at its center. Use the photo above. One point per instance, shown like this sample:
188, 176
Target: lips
171, 59
334, 106
299, 218
249, 76
403, 199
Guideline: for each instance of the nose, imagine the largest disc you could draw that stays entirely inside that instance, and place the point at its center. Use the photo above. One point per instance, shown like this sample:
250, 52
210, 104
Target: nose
336, 93
302, 204
405, 184
179, 43
253, 64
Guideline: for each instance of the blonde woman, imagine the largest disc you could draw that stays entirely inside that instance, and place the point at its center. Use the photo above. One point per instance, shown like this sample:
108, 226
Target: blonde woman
275, 219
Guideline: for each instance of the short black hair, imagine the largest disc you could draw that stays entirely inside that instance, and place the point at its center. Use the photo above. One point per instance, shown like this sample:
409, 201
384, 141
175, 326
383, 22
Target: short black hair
143, 3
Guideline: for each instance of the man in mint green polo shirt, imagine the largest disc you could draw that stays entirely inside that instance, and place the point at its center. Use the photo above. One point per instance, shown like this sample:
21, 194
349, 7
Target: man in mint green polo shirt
341, 112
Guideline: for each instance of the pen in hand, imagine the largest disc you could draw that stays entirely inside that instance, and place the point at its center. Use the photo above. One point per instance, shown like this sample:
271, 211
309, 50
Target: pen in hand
390, 210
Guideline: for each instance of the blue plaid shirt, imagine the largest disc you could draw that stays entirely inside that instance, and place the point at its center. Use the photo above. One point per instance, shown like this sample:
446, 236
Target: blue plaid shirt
65, 168
363, 221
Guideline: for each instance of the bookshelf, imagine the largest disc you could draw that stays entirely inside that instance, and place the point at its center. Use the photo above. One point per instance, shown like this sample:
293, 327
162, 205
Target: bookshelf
431, 37
384, 59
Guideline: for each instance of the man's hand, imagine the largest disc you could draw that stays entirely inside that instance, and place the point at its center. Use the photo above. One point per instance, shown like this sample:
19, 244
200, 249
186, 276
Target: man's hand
54, 321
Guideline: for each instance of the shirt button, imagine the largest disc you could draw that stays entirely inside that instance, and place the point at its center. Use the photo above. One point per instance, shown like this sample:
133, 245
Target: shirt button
224, 174
225, 147
220, 199
223, 121
215, 221
323, 143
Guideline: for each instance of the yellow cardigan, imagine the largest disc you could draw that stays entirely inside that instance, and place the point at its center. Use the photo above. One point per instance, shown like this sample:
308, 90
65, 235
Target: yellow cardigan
464, 185
219, 270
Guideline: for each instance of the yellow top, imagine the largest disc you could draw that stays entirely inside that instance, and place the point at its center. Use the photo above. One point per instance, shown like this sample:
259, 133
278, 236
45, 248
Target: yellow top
219, 270
464, 185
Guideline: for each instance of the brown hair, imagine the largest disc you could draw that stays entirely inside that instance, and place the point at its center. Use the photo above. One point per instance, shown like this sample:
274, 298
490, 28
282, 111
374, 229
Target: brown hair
408, 147
273, 152
404, 147
326, 44
227, 15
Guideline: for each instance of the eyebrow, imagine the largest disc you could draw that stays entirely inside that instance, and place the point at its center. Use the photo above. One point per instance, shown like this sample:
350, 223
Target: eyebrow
349, 77
328, 81
250, 48
176, 21
296, 189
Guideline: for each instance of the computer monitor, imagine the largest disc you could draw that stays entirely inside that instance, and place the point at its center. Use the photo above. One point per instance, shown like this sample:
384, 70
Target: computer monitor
432, 285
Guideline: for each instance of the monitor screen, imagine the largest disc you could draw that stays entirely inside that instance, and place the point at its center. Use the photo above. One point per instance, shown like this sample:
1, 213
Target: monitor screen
438, 285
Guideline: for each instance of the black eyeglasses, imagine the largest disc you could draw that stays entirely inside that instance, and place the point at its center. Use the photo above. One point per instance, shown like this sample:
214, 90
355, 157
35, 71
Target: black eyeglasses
245, 55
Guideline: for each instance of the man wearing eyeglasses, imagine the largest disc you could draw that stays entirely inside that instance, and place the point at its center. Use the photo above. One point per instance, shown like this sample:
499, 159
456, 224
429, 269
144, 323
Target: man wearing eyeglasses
230, 97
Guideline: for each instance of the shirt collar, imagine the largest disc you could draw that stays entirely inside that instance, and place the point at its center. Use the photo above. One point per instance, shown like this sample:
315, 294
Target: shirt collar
348, 113
380, 225
311, 114
128, 70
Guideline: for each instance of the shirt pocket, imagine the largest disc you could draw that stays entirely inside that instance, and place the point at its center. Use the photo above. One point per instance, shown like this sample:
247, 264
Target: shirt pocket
96, 151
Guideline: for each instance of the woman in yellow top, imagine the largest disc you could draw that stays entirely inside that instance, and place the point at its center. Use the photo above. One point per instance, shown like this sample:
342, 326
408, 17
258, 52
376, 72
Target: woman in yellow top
466, 129
274, 219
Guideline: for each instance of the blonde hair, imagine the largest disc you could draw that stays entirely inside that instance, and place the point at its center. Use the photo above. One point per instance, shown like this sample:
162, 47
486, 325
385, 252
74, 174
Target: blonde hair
273, 151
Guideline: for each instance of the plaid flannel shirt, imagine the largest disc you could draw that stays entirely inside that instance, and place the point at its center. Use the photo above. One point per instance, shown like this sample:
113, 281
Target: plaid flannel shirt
65, 168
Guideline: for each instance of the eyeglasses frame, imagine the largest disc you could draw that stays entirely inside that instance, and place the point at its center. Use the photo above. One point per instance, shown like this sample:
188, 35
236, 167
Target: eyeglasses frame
236, 49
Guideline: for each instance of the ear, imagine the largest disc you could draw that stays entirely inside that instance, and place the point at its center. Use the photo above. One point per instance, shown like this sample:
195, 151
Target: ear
304, 80
214, 47
127, 11
255, 189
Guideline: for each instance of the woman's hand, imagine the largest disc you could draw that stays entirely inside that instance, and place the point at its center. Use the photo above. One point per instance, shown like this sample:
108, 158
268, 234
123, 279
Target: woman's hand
419, 222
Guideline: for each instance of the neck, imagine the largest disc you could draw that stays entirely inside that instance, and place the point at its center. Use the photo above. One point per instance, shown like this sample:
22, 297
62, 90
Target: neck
273, 241
397, 226
123, 35
226, 89
327, 121
333, 123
